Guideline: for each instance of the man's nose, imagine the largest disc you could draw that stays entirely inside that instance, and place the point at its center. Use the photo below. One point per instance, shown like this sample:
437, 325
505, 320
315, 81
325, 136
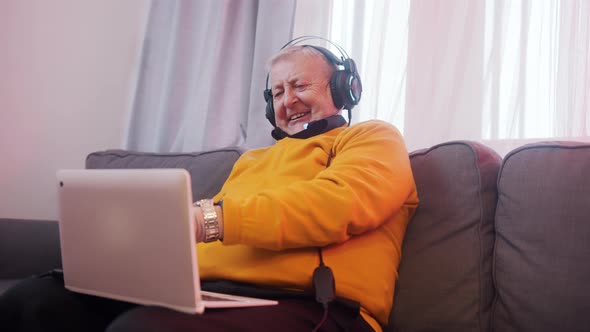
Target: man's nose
289, 97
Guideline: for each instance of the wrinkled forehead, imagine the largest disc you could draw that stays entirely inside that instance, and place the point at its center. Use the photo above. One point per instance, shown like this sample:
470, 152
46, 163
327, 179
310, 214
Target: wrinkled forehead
300, 61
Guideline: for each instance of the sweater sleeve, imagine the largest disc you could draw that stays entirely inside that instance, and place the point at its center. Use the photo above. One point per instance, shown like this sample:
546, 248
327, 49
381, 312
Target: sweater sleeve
369, 180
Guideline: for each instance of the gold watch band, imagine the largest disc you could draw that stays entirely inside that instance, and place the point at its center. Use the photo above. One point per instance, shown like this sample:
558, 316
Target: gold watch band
211, 221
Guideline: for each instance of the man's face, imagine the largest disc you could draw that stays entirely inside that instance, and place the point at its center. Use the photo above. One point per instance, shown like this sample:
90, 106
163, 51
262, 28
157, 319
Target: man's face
300, 87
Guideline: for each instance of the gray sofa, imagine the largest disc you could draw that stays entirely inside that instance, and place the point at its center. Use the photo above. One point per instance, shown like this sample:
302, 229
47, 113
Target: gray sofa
495, 245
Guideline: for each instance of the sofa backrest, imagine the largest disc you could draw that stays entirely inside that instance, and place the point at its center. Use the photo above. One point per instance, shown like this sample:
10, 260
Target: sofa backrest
445, 279
541, 268
208, 170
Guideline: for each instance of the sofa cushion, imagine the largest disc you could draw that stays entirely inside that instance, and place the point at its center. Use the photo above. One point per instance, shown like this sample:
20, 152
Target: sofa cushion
445, 279
542, 248
208, 170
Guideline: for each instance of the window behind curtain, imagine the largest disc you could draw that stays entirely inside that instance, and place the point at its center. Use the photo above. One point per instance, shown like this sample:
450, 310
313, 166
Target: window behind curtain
535, 66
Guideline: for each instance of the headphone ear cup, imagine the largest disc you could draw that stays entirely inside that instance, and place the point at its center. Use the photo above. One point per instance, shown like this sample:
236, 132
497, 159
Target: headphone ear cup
270, 111
354, 86
336, 88
355, 89
346, 89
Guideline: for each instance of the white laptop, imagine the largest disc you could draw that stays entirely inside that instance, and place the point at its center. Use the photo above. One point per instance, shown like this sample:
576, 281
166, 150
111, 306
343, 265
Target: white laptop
128, 235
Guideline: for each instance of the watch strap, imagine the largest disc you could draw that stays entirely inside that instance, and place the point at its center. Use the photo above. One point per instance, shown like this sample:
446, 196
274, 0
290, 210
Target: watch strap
211, 222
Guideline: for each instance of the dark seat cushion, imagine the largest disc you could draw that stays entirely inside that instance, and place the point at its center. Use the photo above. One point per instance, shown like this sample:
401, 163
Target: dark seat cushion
28, 247
445, 279
208, 170
7, 283
542, 251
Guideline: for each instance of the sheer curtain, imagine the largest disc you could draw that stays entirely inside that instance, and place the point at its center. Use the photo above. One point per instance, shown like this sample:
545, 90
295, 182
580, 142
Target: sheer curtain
463, 69
537, 70
202, 74
438, 70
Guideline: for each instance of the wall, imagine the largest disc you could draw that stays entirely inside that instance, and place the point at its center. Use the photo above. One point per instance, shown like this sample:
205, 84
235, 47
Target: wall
67, 70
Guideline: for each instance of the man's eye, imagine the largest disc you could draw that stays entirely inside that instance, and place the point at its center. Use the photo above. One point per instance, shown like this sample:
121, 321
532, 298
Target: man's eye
277, 94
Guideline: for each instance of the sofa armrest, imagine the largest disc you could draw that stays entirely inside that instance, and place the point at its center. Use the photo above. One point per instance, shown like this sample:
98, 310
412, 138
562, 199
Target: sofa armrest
28, 247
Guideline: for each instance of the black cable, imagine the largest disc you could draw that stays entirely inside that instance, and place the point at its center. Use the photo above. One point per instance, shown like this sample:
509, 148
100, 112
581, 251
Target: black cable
324, 287
324, 318
349, 117
323, 278
327, 165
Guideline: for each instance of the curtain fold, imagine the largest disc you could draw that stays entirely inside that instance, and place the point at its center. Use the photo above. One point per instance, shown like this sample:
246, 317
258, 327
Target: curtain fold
537, 79
444, 72
573, 70
202, 74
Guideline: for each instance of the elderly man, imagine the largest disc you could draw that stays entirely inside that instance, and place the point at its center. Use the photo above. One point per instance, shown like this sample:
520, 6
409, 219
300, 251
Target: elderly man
316, 220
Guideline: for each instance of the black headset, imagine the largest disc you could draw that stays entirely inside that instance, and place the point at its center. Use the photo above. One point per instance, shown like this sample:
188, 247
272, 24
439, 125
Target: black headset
345, 84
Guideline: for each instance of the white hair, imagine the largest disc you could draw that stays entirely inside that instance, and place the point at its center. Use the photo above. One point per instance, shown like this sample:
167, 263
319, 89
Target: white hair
299, 50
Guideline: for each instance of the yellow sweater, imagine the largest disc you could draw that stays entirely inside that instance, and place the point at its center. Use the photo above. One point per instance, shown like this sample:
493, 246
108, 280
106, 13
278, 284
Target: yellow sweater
280, 203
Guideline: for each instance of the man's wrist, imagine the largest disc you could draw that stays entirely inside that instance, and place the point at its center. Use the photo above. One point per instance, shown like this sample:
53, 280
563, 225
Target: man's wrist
219, 210
211, 227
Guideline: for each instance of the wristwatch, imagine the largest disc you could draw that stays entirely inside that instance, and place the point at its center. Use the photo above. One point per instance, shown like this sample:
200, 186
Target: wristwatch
210, 217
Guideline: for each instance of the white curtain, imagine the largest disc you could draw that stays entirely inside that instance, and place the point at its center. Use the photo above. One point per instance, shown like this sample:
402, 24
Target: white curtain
445, 75
463, 69
437, 69
203, 72
537, 68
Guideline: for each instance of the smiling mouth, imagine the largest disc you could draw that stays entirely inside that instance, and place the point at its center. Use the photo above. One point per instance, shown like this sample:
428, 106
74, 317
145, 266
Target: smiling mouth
298, 116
